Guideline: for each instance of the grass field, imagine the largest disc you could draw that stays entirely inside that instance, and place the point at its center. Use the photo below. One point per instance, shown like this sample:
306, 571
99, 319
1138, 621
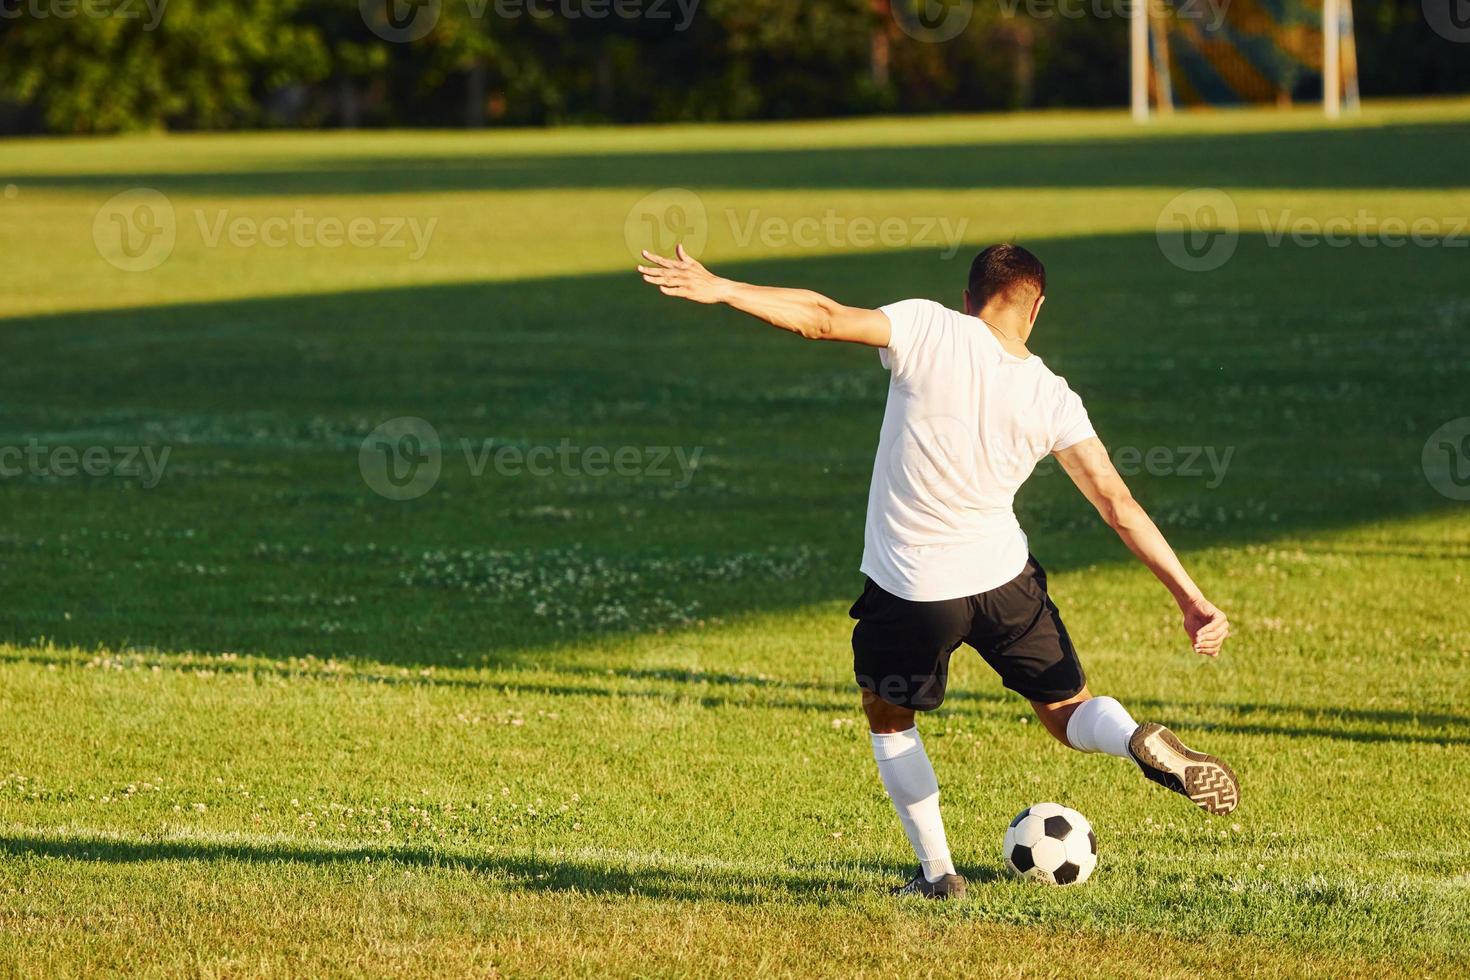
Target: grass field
258, 719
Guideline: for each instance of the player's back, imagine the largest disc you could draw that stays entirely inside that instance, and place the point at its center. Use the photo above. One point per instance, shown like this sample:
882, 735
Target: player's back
965, 424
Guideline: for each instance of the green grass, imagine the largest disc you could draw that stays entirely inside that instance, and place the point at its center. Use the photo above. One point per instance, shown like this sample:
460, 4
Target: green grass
257, 719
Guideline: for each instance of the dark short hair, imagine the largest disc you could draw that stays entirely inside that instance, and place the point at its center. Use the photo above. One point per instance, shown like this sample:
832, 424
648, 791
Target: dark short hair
1002, 268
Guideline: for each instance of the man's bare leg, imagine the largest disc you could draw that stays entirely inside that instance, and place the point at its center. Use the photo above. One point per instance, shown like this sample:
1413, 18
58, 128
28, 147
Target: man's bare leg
909, 779
1091, 724
1054, 716
885, 718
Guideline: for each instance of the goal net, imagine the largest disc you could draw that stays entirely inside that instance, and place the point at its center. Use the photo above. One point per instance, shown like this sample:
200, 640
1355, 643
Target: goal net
1239, 52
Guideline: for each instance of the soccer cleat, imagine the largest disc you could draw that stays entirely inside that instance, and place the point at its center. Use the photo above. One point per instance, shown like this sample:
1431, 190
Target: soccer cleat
1209, 783
949, 886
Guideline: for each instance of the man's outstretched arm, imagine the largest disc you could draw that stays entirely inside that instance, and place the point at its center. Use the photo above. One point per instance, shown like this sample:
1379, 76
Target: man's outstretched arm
1088, 465
800, 311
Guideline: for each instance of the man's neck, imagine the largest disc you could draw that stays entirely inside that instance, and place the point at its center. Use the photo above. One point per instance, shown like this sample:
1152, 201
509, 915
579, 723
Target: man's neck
1008, 333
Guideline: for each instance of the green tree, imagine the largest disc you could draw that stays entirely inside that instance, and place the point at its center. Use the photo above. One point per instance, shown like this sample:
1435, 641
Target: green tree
187, 63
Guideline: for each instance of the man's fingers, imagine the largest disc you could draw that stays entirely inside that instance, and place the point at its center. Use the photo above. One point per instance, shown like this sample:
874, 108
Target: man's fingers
1211, 631
683, 255
1210, 644
1217, 624
657, 259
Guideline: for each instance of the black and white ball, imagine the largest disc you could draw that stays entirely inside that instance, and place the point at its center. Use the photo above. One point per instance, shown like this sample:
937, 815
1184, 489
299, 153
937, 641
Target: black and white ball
1052, 844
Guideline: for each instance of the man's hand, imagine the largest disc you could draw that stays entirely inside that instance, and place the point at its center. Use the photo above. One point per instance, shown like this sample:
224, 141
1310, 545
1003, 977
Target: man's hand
683, 277
1090, 467
1206, 625
800, 311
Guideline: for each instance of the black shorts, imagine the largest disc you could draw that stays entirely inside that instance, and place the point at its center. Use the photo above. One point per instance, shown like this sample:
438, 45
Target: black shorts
901, 648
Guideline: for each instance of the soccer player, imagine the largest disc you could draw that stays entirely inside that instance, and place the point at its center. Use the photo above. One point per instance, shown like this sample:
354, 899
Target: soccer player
970, 413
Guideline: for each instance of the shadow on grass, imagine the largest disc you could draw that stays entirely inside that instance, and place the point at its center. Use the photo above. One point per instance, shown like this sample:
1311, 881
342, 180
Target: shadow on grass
1361, 157
843, 698
1278, 720
610, 875
839, 698
263, 536
1343, 726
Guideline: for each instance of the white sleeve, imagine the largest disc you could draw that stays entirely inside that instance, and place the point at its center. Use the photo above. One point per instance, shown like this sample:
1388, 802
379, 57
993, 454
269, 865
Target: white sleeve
1072, 424
911, 323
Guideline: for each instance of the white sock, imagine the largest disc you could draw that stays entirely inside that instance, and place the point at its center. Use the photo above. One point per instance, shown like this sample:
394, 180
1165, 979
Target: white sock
912, 786
1101, 725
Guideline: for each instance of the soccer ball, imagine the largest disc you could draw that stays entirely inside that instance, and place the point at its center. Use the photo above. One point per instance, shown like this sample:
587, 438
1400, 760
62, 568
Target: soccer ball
1052, 844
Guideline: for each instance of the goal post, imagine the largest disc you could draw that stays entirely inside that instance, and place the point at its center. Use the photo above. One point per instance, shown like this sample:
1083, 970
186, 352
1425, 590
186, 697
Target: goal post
1241, 52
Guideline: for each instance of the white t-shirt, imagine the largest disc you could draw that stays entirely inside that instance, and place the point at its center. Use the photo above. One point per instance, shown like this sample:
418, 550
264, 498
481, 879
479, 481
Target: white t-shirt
965, 425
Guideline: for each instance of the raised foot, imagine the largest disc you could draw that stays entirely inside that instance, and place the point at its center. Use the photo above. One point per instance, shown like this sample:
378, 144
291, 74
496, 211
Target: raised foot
1207, 781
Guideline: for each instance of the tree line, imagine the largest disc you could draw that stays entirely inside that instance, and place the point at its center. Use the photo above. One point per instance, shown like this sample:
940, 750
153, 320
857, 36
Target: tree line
101, 66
